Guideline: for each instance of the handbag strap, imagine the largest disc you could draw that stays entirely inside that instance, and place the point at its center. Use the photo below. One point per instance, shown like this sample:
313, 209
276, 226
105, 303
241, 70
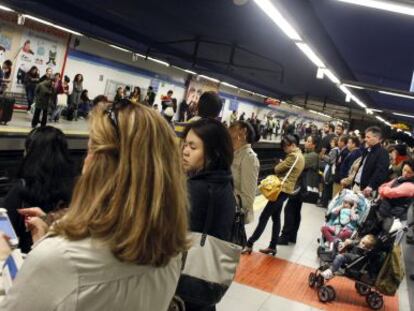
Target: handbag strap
209, 217
290, 170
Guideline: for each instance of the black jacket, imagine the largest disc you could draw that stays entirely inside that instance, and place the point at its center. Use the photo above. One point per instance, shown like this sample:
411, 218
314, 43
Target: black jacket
223, 202
375, 171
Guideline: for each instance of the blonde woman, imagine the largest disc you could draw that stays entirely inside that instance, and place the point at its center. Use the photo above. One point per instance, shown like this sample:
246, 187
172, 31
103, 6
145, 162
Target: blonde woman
118, 246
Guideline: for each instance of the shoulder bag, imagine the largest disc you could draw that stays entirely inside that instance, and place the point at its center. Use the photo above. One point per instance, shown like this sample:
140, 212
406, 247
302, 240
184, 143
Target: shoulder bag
271, 186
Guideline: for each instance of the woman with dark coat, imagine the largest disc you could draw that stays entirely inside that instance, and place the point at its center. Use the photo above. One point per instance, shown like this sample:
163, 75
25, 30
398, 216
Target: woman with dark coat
46, 178
207, 159
76, 94
31, 79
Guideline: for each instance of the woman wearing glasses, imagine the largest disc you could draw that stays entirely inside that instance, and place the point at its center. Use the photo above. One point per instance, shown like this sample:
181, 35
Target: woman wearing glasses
118, 246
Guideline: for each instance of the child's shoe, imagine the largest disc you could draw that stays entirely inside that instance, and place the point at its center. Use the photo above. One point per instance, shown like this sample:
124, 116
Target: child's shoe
327, 274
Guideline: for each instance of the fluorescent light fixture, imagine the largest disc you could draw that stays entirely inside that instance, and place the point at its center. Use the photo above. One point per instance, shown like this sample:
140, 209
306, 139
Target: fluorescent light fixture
403, 115
376, 110
209, 78
118, 48
231, 85
344, 89
332, 76
190, 72
5, 8
320, 73
354, 86
369, 111
42, 21
396, 94
161, 62
320, 113
384, 5
358, 102
310, 54
348, 98
278, 19
379, 118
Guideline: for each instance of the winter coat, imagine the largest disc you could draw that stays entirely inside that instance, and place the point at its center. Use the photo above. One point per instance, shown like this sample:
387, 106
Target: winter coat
43, 94
283, 168
216, 186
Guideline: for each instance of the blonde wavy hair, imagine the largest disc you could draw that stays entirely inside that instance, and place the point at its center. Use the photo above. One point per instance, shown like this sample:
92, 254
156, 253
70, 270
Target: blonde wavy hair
132, 194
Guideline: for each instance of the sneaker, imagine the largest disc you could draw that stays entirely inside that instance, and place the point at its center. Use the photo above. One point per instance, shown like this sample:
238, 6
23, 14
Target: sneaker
327, 274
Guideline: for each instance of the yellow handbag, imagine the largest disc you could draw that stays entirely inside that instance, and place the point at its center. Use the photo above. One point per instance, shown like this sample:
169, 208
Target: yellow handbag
271, 186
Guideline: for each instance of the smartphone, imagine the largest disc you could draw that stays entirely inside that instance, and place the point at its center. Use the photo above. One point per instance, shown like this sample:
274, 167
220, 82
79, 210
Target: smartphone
7, 228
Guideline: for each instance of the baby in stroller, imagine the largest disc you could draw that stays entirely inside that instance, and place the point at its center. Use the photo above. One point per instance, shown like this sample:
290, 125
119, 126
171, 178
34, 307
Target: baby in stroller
350, 250
342, 219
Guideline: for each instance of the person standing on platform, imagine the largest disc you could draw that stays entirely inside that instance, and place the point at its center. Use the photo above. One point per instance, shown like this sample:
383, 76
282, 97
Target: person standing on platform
328, 134
150, 97
76, 94
31, 79
245, 167
47, 76
136, 95
43, 94
207, 159
354, 153
343, 153
233, 117
373, 169
293, 164
294, 204
339, 130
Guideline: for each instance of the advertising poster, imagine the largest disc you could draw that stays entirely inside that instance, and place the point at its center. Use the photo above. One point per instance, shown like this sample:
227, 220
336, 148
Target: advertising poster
38, 50
196, 87
21, 48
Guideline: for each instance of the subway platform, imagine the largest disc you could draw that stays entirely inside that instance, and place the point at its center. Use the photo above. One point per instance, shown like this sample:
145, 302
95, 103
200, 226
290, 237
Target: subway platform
265, 283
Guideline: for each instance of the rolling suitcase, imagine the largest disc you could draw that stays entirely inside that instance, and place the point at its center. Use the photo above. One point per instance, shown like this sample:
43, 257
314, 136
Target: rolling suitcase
6, 109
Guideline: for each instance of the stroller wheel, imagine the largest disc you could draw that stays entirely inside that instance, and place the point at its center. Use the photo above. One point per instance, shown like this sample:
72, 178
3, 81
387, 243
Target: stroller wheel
177, 304
332, 292
362, 289
375, 301
312, 279
319, 281
323, 294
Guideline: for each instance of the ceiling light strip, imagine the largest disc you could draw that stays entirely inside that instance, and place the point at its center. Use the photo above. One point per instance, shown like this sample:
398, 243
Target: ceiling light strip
161, 62
278, 19
5, 8
396, 94
306, 49
42, 21
383, 5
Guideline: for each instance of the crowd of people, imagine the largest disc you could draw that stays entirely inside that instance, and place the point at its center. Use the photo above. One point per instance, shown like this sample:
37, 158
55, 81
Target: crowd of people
134, 225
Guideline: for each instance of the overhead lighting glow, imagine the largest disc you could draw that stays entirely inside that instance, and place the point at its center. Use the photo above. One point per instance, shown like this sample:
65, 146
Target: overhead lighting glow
161, 62
231, 85
383, 5
320, 113
320, 73
358, 102
403, 115
354, 86
42, 21
376, 110
190, 72
396, 94
369, 111
209, 78
345, 90
5, 8
118, 48
310, 54
379, 118
332, 76
278, 19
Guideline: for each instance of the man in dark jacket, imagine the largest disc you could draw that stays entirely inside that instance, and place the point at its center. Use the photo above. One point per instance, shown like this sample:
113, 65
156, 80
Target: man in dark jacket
373, 170
43, 93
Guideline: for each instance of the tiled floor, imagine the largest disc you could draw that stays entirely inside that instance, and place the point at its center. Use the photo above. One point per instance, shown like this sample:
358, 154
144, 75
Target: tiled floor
245, 294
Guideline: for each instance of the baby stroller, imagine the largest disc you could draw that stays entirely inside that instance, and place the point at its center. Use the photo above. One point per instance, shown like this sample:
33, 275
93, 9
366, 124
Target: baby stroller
363, 206
372, 272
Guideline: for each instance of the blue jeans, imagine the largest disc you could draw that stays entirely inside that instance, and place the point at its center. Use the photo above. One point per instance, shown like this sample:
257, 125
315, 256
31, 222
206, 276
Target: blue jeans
272, 209
30, 94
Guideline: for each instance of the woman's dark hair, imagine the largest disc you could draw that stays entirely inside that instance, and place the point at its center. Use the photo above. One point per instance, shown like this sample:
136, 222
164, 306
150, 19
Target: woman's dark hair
290, 139
77, 76
84, 96
138, 89
209, 105
355, 140
250, 131
218, 148
32, 69
47, 170
410, 163
98, 99
316, 141
66, 79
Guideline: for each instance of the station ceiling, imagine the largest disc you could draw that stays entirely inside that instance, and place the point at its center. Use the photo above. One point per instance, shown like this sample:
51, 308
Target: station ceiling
239, 44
